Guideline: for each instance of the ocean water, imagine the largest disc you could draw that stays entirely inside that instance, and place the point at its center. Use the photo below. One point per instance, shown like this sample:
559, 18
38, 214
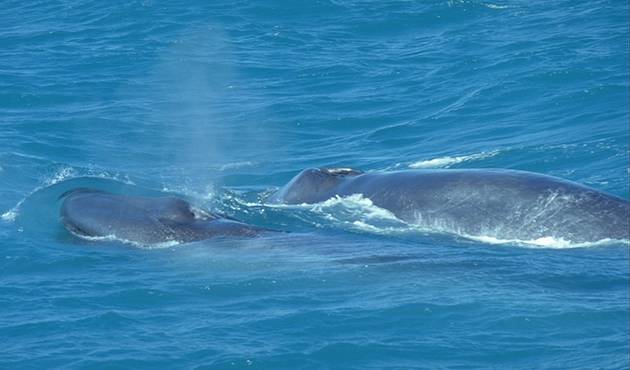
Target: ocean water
222, 102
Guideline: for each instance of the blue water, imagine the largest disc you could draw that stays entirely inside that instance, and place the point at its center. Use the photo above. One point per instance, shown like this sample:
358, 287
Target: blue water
222, 102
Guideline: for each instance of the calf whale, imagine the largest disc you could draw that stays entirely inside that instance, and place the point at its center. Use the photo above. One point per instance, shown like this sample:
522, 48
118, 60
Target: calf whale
504, 204
146, 220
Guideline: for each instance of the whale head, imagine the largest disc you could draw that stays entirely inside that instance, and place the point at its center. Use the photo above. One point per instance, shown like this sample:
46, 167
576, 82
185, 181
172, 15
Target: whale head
313, 185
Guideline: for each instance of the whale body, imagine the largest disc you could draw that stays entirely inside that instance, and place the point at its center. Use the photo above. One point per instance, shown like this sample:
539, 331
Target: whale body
504, 204
145, 220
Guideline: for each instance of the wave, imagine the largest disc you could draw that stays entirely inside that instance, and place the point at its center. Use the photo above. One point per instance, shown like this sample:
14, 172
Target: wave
62, 174
445, 162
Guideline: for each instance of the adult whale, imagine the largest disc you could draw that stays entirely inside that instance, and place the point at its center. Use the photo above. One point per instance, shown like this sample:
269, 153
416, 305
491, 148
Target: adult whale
146, 220
504, 204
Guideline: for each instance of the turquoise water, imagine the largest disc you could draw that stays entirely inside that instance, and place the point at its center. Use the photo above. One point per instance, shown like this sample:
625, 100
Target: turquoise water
223, 102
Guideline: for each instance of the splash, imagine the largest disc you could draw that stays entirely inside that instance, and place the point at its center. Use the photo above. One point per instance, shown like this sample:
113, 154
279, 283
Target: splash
355, 204
109, 176
545, 242
208, 193
445, 162
10, 215
356, 212
60, 175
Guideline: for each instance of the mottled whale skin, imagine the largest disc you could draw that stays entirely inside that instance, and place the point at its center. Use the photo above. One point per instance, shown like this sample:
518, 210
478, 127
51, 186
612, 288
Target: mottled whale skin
504, 204
145, 220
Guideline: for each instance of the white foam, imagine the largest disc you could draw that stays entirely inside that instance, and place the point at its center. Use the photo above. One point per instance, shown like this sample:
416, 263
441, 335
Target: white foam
11, 214
60, 175
357, 204
113, 238
235, 165
545, 242
401, 228
109, 176
445, 162
494, 6
28, 156
339, 170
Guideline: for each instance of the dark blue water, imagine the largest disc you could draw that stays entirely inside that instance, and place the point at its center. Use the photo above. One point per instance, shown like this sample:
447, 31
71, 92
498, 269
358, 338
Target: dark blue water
222, 102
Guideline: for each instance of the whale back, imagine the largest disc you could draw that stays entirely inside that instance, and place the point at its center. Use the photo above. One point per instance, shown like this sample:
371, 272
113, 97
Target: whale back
92, 213
504, 204
313, 185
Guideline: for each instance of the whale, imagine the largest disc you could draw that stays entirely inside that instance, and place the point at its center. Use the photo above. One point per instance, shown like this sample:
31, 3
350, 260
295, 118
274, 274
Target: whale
91, 213
497, 203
